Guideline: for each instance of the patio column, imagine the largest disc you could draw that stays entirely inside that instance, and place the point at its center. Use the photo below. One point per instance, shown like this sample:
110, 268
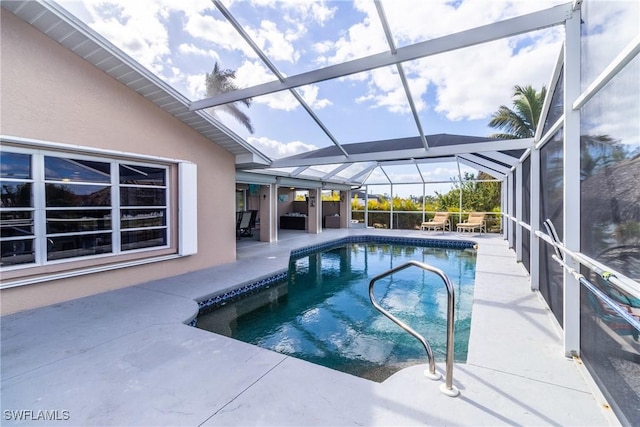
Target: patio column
366, 206
268, 217
345, 208
315, 211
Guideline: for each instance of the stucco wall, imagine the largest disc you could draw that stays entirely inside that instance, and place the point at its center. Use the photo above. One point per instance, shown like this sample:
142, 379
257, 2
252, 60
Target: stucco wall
49, 93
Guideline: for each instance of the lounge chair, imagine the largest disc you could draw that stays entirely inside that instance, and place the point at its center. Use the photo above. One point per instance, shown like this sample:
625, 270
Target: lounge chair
247, 222
440, 220
475, 221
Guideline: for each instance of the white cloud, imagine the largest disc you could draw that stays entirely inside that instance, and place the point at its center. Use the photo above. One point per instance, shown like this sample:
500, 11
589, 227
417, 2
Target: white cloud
196, 86
219, 32
276, 44
276, 149
322, 47
191, 49
473, 82
310, 96
361, 39
310, 10
251, 73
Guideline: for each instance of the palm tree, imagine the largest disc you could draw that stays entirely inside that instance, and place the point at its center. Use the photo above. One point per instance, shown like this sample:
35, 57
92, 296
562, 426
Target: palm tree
221, 81
522, 121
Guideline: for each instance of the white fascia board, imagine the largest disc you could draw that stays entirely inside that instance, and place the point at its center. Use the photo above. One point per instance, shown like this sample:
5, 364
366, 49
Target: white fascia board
251, 159
510, 27
254, 178
295, 182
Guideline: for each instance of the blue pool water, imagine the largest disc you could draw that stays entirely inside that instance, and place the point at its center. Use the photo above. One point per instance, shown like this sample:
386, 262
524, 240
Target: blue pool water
321, 312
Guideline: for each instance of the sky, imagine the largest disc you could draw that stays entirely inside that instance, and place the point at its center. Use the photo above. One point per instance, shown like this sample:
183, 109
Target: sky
455, 92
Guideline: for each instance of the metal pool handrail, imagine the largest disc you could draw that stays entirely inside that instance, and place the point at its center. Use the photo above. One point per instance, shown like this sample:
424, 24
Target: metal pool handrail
447, 388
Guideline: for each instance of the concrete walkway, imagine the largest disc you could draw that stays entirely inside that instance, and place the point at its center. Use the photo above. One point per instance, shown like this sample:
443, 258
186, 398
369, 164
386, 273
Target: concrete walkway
127, 358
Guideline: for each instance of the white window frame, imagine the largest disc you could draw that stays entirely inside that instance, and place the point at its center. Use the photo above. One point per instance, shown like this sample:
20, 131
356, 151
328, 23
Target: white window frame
185, 206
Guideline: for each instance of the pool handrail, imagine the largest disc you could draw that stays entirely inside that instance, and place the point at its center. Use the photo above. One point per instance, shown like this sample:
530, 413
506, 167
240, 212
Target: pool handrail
447, 388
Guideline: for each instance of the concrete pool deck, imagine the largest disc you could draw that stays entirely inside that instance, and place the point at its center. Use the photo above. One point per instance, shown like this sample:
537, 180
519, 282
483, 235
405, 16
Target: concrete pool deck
127, 357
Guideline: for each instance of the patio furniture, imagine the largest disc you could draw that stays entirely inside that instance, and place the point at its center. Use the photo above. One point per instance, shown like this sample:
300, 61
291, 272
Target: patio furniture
246, 223
439, 220
293, 222
475, 221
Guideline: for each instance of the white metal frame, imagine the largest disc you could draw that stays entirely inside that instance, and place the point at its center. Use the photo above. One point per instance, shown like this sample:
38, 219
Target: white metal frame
571, 170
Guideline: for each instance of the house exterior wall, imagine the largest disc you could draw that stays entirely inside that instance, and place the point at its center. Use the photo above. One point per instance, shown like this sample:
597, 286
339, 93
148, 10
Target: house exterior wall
51, 94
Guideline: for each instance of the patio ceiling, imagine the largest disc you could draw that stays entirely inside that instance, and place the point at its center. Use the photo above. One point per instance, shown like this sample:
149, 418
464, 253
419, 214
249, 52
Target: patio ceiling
339, 160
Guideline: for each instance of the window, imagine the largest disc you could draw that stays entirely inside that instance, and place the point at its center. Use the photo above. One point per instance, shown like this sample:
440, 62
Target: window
16, 209
59, 207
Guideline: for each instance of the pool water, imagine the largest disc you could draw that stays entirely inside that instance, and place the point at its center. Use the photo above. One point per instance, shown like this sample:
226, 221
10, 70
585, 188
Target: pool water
322, 312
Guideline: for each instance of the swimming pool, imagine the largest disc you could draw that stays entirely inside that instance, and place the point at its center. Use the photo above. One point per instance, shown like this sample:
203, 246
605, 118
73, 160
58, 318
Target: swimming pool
320, 311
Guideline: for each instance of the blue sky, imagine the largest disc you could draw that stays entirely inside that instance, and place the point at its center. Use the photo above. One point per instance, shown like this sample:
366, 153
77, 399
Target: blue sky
454, 93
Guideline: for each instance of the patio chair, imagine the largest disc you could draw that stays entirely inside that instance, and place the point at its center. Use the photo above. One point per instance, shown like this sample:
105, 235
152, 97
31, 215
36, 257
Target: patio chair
246, 231
439, 220
243, 228
475, 221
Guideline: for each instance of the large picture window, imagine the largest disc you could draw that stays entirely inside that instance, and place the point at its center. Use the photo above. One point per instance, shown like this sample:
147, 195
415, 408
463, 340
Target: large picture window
65, 207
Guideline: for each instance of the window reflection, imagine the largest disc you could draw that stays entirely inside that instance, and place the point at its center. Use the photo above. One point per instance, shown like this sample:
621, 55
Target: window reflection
14, 224
76, 221
73, 170
137, 196
16, 195
15, 165
61, 247
68, 195
16, 252
143, 238
141, 175
136, 218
